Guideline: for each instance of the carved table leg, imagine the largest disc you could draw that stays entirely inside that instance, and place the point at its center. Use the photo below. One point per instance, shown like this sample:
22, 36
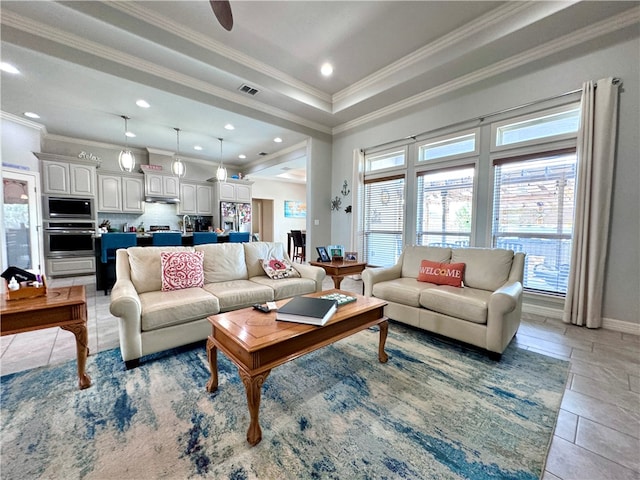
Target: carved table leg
212, 355
82, 349
384, 329
253, 386
337, 280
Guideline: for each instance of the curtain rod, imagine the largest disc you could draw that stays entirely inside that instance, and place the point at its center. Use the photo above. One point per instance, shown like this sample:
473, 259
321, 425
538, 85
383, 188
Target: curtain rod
616, 81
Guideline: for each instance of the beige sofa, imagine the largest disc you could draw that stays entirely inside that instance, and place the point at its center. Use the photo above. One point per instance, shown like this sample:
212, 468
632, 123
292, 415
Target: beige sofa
151, 320
485, 312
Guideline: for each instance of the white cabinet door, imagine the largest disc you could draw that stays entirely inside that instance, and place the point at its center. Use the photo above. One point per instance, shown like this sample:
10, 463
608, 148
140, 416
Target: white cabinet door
227, 192
188, 199
109, 193
154, 184
171, 186
204, 200
243, 193
82, 180
132, 195
55, 178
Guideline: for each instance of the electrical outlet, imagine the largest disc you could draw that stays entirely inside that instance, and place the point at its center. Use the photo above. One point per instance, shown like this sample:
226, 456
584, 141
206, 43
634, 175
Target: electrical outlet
316, 222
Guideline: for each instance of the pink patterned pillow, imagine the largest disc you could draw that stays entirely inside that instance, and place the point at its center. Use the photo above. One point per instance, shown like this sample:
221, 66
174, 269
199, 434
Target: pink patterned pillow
181, 270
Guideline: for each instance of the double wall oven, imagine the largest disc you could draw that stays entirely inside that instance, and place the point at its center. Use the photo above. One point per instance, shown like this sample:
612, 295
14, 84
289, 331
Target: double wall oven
69, 227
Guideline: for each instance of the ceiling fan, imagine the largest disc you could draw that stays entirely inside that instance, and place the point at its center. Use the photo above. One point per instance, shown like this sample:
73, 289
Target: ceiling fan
222, 11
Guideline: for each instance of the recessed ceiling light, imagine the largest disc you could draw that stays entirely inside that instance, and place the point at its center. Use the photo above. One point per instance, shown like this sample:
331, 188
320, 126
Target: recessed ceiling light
242, 155
129, 134
7, 67
277, 140
143, 103
31, 115
326, 69
228, 126
197, 147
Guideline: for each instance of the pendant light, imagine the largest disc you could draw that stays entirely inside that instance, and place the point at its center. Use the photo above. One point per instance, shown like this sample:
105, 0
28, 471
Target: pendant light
221, 173
126, 160
177, 167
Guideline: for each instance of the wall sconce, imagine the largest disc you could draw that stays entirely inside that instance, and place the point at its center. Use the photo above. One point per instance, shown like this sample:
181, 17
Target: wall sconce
345, 189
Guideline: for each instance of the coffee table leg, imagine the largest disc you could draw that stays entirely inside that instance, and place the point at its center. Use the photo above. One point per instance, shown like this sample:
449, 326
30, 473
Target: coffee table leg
253, 386
212, 355
384, 330
82, 349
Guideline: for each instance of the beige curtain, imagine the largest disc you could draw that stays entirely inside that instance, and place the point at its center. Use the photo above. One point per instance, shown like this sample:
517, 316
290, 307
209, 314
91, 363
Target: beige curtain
596, 157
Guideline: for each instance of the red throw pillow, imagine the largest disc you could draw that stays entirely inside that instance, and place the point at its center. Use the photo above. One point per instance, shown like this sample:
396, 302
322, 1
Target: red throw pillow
441, 273
182, 270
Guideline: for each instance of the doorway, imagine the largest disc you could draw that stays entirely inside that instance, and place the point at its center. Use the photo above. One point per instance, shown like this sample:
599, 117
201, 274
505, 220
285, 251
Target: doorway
21, 241
262, 225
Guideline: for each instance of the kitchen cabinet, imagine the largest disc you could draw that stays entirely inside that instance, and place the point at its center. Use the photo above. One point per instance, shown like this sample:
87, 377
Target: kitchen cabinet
195, 199
58, 267
120, 194
64, 178
233, 191
161, 185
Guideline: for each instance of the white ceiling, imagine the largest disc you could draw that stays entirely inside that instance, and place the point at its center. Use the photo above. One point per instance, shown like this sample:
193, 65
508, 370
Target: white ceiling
83, 64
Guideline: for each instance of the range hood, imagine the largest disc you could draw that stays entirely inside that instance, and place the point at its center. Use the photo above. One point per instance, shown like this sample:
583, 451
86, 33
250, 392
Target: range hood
160, 199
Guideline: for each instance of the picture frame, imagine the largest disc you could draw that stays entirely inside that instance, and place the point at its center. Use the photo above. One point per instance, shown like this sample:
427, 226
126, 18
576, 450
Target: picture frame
350, 256
322, 253
295, 209
335, 250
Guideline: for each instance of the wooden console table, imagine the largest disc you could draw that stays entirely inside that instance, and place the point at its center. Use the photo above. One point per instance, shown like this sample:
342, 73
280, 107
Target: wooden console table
64, 307
338, 270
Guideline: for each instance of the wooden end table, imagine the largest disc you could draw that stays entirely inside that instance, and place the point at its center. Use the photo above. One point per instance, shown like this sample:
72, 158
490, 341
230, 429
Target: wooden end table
63, 307
338, 270
256, 342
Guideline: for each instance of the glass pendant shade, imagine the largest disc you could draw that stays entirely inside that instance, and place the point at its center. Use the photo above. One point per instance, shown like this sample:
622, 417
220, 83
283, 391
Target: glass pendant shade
221, 173
177, 167
126, 160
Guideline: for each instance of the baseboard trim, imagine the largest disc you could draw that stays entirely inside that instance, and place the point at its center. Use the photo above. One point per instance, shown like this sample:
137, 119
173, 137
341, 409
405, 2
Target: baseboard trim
607, 323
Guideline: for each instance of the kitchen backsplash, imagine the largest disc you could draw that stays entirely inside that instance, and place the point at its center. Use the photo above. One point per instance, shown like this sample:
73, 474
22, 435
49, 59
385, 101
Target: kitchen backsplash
154, 214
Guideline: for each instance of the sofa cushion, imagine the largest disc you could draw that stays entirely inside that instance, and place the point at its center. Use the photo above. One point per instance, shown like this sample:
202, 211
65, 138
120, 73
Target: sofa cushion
486, 268
465, 303
254, 252
163, 309
441, 273
234, 294
287, 287
146, 267
181, 270
414, 254
277, 269
401, 290
223, 262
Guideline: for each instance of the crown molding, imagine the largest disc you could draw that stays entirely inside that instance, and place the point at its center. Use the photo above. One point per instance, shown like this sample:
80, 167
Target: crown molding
89, 143
136, 63
590, 32
24, 122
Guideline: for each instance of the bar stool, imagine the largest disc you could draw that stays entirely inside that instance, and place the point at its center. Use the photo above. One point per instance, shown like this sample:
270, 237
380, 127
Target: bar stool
109, 243
239, 237
299, 248
204, 237
167, 239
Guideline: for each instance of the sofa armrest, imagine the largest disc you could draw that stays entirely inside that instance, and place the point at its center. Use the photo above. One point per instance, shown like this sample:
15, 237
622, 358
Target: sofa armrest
316, 274
371, 276
503, 320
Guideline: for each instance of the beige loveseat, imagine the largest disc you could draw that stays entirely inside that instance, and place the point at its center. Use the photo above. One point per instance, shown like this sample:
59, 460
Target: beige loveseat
151, 320
485, 312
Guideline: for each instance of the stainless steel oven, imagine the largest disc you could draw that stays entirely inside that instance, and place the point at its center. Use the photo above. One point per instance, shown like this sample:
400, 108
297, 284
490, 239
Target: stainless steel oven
69, 239
60, 208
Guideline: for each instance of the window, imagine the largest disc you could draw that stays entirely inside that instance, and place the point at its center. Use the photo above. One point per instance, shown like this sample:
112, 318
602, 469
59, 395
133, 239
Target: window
553, 124
533, 213
444, 207
384, 220
385, 161
460, 145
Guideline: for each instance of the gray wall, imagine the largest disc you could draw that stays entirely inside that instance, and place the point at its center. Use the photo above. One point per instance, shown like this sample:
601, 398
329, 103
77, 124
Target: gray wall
621, 299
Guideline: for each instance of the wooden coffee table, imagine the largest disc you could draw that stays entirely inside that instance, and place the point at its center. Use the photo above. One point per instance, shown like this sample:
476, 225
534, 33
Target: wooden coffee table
338, 270
64, 307
256, 342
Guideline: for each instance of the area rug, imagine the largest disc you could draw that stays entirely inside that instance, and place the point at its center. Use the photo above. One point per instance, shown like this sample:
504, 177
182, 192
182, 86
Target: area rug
436, 410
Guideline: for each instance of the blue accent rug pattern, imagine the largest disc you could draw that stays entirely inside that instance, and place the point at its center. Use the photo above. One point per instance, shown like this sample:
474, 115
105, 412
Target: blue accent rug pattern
436, 410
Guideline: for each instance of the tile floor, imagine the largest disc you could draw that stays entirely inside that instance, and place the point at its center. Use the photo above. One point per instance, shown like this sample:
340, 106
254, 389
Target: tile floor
597, 435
